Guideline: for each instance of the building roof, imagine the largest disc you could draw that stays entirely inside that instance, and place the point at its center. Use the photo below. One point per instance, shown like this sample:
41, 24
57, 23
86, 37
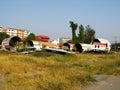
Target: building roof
42, 37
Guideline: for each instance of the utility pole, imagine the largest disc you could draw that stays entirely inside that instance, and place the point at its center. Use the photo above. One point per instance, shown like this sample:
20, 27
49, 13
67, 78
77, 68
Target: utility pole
115, 43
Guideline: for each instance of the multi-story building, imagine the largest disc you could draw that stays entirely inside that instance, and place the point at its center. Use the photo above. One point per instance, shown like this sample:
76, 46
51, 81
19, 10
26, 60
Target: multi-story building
20, 33
10, 31
26, 33
16, 32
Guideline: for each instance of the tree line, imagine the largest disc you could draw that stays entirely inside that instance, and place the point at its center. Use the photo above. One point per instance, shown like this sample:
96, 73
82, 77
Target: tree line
85, 34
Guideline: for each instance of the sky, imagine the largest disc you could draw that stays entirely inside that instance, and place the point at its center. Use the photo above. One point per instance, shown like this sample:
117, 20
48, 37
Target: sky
51, 17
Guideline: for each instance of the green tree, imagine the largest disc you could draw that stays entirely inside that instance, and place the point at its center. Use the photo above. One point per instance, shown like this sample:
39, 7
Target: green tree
74, 28
81, 34
12, 43
31, 36
89, 34
3, 36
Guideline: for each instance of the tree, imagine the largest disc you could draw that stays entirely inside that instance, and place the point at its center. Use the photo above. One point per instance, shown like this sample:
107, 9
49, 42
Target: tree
74, 28
31, 36
89, 34
81, 34
3, 36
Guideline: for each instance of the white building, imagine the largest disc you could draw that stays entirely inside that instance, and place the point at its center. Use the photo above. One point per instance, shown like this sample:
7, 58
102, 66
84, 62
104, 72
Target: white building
61, 40
17, 32
26, 33
57, 41
11, 31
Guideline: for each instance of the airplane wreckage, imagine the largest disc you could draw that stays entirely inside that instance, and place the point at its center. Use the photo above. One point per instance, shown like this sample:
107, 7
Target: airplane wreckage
97, 45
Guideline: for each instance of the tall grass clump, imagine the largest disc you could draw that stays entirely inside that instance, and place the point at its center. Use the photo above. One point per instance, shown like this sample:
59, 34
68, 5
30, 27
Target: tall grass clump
107, 64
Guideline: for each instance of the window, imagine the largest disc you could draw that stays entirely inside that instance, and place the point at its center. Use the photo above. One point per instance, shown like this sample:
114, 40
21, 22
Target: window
95, 46
98, 46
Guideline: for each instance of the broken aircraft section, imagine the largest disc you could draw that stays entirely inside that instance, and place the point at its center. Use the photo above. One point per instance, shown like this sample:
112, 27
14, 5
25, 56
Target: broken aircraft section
97, 45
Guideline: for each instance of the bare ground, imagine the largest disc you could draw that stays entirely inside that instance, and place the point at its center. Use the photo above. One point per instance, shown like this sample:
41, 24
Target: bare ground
104, 82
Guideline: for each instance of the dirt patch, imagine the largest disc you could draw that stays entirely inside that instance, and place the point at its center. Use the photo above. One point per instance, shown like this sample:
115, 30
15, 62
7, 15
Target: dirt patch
104, 82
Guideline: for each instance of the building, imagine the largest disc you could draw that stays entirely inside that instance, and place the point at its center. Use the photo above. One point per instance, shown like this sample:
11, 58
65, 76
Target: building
61, 40
64, 40
26, 33
1, 29
16, 32
10, 31
43, 38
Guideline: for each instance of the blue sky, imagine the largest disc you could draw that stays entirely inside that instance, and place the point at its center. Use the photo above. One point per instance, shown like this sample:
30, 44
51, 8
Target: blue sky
51, 17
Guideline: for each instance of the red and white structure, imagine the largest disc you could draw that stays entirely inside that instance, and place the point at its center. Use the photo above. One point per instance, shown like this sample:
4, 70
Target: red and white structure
97, 45
100, 44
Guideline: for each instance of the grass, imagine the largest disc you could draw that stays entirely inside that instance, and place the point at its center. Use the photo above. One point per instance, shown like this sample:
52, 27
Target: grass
50, 71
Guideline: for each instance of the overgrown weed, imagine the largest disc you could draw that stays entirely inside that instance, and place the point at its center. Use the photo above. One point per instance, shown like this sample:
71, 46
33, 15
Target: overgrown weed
48, 71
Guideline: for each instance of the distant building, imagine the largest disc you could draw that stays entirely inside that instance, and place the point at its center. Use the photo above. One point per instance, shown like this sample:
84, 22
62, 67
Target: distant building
26, 33
64, 40
1, 29
16, 32
61, 40
43, 38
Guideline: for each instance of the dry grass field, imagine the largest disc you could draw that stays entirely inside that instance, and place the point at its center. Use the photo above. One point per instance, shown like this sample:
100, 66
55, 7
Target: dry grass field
50, 71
